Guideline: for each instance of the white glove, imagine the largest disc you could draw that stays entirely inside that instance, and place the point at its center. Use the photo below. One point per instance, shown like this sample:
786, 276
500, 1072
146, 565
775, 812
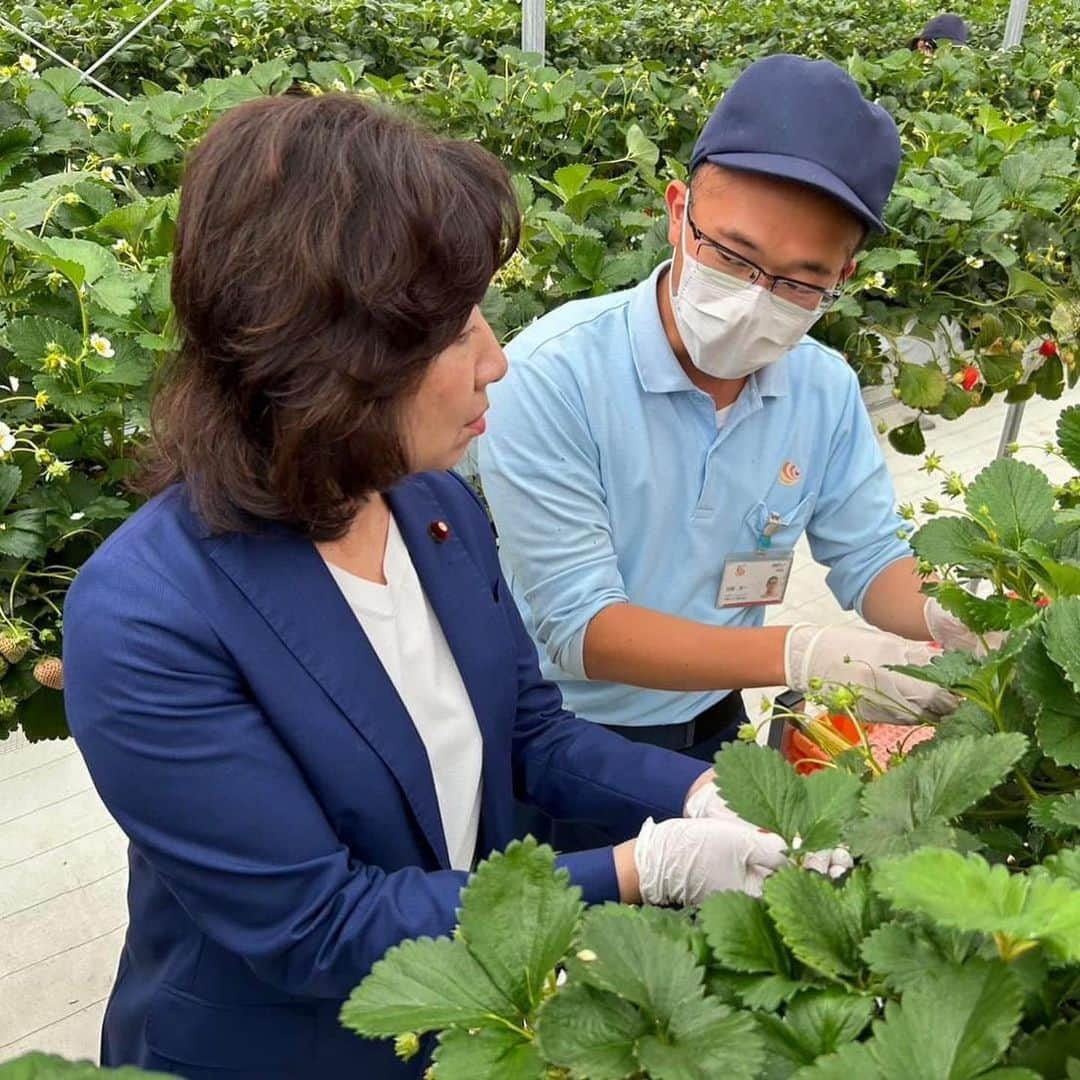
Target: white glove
858, 655
707, 802
947, 629
682, 860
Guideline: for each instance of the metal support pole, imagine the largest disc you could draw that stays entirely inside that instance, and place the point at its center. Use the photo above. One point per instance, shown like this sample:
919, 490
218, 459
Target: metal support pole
127, 37
11, 28
533, 26
1014, 26
1014, 33
1013, 415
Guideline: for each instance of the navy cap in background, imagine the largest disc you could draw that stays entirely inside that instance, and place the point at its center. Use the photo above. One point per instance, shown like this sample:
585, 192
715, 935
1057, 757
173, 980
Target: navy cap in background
807, 121
946, 27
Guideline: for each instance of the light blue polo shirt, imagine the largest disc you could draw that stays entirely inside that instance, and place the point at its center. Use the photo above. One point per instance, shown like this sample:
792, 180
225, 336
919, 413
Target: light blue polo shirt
610, 481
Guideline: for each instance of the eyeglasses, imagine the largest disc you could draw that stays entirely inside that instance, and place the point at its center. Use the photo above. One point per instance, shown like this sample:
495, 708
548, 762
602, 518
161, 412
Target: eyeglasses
811, 297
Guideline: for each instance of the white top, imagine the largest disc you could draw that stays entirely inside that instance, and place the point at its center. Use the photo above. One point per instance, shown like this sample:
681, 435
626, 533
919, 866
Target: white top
723, 414
409, 642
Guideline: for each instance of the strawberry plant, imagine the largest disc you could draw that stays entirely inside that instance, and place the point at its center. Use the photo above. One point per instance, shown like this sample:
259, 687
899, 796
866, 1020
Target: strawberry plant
952, 950
38, 1066
983, 233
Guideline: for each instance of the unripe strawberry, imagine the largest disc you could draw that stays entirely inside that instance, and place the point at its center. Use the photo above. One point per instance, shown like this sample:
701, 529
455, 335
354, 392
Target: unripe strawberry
7, 708
49, 671
14, 645
1048, 348
5, 667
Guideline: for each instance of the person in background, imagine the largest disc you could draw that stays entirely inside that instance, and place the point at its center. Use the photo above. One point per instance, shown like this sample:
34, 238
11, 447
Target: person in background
947, 27
297, 676
655, 454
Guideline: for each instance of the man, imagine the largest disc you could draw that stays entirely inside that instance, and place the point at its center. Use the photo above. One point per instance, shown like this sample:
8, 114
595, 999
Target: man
654, 455
946, 27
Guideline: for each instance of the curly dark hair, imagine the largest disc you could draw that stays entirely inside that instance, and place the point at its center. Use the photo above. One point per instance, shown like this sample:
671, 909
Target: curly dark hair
327, 249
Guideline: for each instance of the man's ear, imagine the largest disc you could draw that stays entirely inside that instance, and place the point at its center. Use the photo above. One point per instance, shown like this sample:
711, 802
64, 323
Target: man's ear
848, 272
675, 198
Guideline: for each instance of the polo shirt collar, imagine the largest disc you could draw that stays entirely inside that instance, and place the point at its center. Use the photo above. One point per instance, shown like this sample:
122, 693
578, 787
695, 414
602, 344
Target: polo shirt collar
658, 368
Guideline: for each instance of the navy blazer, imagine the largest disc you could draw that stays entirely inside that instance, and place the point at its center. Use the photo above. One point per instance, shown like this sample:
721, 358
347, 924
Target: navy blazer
282, 815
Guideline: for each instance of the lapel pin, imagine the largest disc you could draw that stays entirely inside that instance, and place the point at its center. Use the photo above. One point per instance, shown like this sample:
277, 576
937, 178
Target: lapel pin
439, 531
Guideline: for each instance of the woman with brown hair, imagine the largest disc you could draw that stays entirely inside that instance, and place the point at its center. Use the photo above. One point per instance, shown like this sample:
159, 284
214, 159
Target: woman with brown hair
297, 676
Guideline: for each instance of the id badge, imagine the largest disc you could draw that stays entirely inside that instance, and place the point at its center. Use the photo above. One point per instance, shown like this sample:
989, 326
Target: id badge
755, 578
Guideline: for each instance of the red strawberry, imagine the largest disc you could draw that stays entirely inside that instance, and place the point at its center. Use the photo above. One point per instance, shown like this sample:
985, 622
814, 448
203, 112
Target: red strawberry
1049, 348
971, 377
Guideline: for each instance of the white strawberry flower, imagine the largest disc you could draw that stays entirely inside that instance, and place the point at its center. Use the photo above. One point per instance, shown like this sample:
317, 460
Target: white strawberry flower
102, 346
108, 174
338, 85
78, 516
28, 63
7, 440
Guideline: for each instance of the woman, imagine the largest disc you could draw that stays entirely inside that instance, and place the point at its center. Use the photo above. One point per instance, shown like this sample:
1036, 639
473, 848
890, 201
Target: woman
296, 674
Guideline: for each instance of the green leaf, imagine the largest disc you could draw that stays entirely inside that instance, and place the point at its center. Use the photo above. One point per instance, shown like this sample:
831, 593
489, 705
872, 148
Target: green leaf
763, 788
967, 893
949, 670
637, 961
905, 956
1068, 435
10, 481
570, 179
704, 1041
1062, 634
822, 923
1013, 499
817, 1023
640, 149
22, 534
832, 801
1047, 694
951, 541
1021, 173
1047, 1051
39, 1066
1023, 283
767, 992
908, 438
30, 336
741, 935
424, 985
928, 789
93, 260
980, 614
854, 1061
466, 1055
922, 386
518, 916
954, 1026
886, 259
591, 1032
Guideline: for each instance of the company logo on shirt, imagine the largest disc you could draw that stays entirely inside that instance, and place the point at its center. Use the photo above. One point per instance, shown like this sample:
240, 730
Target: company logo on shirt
790, 473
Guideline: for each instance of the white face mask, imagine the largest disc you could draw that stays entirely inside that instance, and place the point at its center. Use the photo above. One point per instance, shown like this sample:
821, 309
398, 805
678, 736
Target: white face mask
730, 328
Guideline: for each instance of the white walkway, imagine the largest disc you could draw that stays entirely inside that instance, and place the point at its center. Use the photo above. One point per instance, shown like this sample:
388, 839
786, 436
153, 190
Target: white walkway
62, 860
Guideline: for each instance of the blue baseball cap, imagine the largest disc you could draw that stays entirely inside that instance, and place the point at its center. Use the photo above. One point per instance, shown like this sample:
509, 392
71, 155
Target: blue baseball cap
947, 27
807, 121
